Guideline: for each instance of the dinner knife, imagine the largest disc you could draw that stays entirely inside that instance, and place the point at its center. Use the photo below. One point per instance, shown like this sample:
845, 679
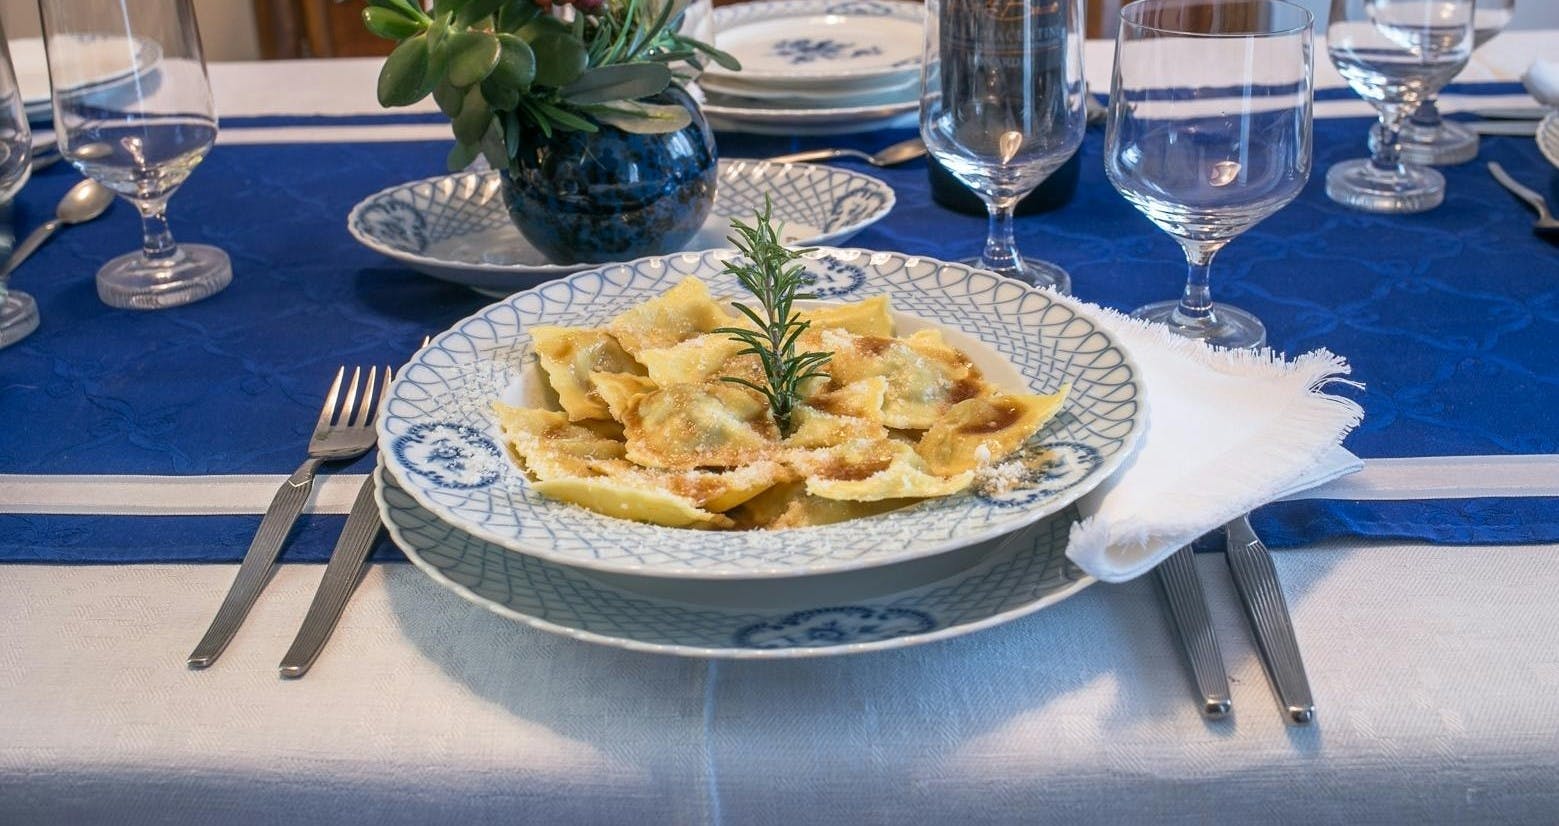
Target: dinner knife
1188, 609
347, 563
1256, 581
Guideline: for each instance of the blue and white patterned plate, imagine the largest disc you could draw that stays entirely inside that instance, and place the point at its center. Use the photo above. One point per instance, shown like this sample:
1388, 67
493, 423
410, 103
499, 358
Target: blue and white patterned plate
1008, 578
441, 445
1548, 138
814, 43
456, 228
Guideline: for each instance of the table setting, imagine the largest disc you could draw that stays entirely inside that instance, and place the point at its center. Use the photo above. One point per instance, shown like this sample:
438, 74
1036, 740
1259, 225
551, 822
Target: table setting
547, 549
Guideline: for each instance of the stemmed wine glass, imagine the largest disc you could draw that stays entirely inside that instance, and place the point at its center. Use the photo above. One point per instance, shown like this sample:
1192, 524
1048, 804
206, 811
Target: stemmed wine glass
1001, 107
1208, 134
1428, 140
18, 311
140, 138
1396, 54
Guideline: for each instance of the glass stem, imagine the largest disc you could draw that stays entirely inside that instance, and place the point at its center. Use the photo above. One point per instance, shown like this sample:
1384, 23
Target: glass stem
1428, 115
1196, 303
156, 240
1001, 248
1388, 139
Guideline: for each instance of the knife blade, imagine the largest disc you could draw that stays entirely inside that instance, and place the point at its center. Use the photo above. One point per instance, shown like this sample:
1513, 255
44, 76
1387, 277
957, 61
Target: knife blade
1256, 582
348, 561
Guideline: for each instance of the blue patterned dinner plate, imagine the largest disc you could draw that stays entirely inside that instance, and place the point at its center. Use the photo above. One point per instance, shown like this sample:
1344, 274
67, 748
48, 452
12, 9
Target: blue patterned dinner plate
442, 446
836, 614
817, 43
456, 228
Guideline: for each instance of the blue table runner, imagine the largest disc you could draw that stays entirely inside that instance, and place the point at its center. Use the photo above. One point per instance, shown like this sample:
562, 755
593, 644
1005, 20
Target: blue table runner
1449, 317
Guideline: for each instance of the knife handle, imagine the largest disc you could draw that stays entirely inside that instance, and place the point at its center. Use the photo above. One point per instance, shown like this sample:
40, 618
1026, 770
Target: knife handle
1188, 608
259, 562
347, 562
1256, 580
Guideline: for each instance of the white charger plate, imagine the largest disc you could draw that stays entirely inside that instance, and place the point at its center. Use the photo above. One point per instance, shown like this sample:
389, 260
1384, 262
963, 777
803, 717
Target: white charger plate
456, 228
442, 446
105, 61
892, 607
825, 121
1548, 138
790, 43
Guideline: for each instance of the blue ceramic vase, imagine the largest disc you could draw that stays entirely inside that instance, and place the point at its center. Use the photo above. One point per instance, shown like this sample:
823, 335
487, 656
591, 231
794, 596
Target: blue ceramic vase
613, 195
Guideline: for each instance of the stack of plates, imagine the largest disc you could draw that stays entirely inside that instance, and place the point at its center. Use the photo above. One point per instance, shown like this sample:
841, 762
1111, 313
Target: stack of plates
454, 499
816, 67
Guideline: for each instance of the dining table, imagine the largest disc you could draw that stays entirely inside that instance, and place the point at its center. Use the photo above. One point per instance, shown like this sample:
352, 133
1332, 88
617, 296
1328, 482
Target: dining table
139, 449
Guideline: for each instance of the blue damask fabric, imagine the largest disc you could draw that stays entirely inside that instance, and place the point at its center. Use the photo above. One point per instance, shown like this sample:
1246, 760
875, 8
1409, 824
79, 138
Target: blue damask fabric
1449, 318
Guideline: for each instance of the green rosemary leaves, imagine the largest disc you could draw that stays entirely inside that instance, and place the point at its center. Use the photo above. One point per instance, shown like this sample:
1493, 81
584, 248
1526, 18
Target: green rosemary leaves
767, 269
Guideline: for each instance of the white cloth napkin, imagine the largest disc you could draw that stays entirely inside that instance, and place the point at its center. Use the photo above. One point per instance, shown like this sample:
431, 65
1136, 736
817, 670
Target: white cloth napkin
1228, 431
1542, 81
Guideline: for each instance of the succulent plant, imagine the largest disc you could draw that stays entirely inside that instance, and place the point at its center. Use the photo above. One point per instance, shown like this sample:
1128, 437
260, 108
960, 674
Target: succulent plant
497, 67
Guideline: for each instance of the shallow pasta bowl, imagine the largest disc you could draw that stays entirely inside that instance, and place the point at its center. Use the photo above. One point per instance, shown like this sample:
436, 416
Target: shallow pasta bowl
443, 449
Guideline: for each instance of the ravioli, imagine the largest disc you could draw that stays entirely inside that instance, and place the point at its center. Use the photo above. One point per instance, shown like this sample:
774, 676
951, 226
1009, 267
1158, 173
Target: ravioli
985, 428
685, 426
641, 504
552, 447
924, 376
568, 355
650, 429
674, 316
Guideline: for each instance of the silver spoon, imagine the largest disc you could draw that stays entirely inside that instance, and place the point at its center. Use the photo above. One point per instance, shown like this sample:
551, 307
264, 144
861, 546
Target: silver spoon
82, 203
893, 155
1545, 223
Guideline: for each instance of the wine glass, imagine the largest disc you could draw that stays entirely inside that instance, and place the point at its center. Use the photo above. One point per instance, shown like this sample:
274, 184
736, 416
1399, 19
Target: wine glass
1001, 107
133, 111
1396, 54
1208, 134
18, 311
1428, 140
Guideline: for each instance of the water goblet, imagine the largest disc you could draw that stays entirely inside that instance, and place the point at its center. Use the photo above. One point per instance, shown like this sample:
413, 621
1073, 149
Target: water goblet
18, 311
1396, 54
141, 137
1208, 134
1001, 108
1428, 140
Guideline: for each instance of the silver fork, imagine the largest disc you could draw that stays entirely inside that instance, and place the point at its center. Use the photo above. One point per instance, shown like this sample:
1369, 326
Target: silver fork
348, 563
339, 434
1256, 581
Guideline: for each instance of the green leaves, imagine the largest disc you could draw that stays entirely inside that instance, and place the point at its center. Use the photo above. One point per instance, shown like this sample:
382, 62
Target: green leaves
767, 271
626, 81
559, 59
389, 23
502, 68
404, 79
641, 118
472, 56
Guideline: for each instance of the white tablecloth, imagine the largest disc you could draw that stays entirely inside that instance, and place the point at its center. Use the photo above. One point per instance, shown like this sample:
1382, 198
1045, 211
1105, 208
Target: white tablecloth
1435, 671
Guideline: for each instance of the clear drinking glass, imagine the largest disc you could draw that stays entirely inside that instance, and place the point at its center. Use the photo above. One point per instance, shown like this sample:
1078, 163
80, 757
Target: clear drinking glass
1428, 140
140, 137
1209, 133
1396, 54
1001, 107
18, 311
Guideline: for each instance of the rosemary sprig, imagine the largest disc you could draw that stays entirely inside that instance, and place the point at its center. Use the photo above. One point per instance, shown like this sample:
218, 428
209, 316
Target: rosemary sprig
766, 270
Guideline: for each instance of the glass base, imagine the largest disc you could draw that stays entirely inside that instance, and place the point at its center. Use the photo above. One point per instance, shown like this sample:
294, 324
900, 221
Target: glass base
133, 282
1358, 184
18, 317
1228, 326
1041, 274
1447, 144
